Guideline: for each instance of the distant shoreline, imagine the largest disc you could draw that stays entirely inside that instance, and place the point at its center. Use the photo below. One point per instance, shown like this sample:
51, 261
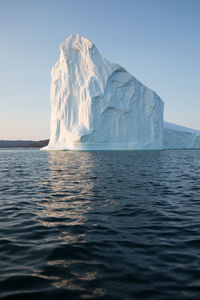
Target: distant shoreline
23, 143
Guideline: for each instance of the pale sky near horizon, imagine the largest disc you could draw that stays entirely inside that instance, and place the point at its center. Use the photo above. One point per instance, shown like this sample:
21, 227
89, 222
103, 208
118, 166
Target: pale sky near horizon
157, 41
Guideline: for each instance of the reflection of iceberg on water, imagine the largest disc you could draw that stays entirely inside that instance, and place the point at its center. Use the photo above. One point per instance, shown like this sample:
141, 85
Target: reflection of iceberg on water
65, 212
71, 191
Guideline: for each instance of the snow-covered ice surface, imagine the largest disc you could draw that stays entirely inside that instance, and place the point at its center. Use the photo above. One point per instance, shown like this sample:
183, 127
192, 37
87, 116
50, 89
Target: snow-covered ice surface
96, 104
176, 137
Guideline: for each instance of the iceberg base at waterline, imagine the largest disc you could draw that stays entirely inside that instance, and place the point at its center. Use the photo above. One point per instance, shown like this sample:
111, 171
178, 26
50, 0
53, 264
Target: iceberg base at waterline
97, 146
174, 137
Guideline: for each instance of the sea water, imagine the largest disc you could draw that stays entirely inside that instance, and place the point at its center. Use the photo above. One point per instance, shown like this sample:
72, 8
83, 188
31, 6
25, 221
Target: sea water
100, 225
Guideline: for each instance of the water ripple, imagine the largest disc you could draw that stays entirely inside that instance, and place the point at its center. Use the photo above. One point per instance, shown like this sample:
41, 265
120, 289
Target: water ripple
100, 225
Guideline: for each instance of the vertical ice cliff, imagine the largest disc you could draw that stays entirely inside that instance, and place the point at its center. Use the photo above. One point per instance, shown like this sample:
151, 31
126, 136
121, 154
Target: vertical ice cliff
96, 104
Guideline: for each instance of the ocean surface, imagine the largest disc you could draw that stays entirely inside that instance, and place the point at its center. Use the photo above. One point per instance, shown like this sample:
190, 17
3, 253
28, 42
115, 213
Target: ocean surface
99, 225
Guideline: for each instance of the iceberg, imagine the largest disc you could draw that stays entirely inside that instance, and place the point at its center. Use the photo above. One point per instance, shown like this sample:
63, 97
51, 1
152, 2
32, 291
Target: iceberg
180, 137
96, 104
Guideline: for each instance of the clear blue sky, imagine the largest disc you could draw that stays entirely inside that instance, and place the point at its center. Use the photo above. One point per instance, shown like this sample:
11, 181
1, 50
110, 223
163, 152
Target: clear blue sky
157, 41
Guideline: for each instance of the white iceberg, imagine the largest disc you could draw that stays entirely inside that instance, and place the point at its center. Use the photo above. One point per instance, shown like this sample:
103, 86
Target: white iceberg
96, 104
176, 137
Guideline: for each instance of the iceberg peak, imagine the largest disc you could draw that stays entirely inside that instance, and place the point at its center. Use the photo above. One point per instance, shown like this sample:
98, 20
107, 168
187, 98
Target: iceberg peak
76, 42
